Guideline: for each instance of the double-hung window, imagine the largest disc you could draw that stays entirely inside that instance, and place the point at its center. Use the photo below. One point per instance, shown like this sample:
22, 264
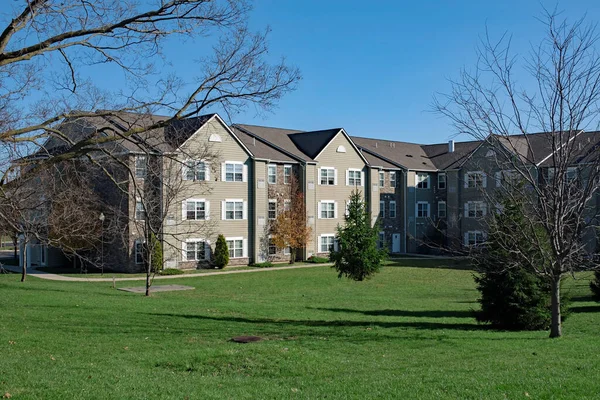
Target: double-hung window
327, 176
287, 174
140, 166
381, 178
272, 209
422, 209
354, 177
139, 251
392, 211
475, 209
422, 180
328, 209
441, 209
381, 209
195, 171
272, 247
441, 181
475, 180
474, 238
234, 172
196, 209
140, 213
236, 247
392, 178
272, 173
327, 243
234, 209
194, 250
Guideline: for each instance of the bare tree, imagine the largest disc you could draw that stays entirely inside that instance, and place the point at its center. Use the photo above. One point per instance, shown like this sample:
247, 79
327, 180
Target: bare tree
554, 172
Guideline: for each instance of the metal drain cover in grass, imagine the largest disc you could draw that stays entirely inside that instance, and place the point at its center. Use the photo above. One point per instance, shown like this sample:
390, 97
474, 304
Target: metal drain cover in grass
246, 339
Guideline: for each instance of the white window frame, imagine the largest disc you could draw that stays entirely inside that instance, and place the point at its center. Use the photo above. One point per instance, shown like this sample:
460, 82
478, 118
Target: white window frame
476, 242
287, 174
224, 172
224, 209
442, 206
428, 209
392, 178
141, 171
381, 179
322, 209
392, 210
138, 201
473, 208
271, 245
192, 165
206, 251
360, 177
330, 246
271, 167
138, 251
196, 201
441, 182
272, 201
381, 209
328, 177
243, 249
421, 183
472, 183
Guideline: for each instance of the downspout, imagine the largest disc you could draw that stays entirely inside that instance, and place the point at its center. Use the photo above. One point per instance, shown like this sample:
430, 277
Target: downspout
405, 188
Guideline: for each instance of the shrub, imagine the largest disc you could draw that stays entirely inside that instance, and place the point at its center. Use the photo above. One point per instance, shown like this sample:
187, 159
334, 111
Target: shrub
221, 252
171, 271
317, 260
266, 264
595, 286
157, 254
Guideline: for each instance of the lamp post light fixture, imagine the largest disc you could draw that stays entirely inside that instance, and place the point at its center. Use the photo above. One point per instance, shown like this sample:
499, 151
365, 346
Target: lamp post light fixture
101, 218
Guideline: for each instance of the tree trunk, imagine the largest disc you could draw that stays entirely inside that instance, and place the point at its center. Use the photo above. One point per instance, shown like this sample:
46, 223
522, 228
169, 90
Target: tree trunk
292, 255
148, 272
556, 327
24, 271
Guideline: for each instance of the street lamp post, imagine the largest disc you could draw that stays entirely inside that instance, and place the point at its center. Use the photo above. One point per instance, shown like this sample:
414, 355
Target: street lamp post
101, 218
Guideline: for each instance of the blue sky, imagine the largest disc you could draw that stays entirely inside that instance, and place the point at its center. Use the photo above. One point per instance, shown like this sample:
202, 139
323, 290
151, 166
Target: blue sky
373, 67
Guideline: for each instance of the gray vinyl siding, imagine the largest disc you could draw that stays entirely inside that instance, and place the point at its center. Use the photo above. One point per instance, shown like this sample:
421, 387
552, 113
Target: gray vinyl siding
387, 194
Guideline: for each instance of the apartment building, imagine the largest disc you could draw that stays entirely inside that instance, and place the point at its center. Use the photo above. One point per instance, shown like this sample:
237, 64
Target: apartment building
235, 180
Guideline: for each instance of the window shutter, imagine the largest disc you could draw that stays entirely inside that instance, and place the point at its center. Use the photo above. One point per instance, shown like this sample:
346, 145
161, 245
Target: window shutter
183, 251
207, 171
223, 210
466, 215
245, 248
319, 177
466, 238
484, 180
466, 180
206, 251
207, 210
498, 179
347, 178
184, 210
223, 172
244, 173
245, 210
362, 178
335, 176
335, 209
319, 210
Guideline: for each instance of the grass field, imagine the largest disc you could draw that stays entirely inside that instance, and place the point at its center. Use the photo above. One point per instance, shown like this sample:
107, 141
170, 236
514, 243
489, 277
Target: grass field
406, 334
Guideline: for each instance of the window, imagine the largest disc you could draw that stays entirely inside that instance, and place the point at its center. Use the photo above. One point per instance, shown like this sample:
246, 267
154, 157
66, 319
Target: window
236, 247
441, 209
272, 209
195, 209
234, 172
506, 178
195, 250
475, 209
392, 178
326, 244
441, 181
195, 171
354, 177
392, 209
422, 209
571, 174
328, 176
272, 173
422, 180
475, 180
287, 205
272, 247
139, 251
381, 240
234, 209
328, 209
382, 209
474, 238
140, 167
287, 174
381, 179
140, 214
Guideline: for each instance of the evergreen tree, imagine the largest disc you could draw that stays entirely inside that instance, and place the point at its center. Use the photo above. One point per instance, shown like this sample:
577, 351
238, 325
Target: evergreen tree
221, 252
357, 255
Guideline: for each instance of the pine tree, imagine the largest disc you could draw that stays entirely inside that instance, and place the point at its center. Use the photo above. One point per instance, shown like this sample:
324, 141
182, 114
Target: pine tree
357, 255
221, 252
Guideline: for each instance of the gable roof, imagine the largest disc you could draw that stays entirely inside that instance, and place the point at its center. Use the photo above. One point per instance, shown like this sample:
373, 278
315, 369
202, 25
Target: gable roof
312, 143
277, 138
261, 148
442, 158
402, 154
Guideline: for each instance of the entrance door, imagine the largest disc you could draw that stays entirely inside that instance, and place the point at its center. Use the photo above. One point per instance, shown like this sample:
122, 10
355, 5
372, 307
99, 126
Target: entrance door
396, 243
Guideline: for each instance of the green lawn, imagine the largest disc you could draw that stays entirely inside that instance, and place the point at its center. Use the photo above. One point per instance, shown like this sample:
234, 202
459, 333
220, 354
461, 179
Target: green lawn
406, 334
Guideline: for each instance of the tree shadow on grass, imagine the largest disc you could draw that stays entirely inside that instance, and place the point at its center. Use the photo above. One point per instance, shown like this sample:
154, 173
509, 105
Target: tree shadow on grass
334, 323
585, 309
581, 298
405, 313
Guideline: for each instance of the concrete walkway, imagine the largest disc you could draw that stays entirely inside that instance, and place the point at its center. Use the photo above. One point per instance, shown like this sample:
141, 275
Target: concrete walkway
54, 277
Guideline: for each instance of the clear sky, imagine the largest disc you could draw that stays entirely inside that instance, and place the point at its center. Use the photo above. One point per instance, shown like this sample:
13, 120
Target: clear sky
373, 67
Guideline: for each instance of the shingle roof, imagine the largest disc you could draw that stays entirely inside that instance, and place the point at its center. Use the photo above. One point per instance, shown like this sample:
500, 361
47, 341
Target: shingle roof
442, 158
278, 138
311, 143
408, 155
261, 149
